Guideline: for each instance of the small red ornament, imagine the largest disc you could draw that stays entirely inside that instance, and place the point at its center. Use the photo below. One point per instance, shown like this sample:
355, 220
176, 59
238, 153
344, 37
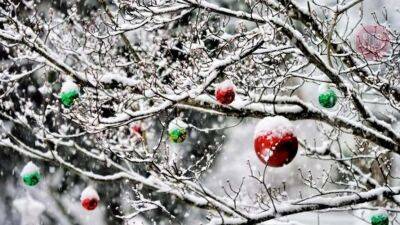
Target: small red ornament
89, 198
225, 92
137, 129
372, 41
89, 204
274, 141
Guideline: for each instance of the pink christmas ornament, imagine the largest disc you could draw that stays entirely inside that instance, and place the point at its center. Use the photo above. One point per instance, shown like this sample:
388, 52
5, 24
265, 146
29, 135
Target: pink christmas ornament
372, 41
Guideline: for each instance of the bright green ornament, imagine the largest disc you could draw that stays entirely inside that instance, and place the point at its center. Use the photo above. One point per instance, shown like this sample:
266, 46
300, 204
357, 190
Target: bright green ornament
69, 92
380, 219
177, 135
177, 131
30, 174
327, 98
67, 98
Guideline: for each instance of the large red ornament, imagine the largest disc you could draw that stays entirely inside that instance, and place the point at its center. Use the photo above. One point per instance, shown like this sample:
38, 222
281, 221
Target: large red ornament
225, 92
89, 198
274, 141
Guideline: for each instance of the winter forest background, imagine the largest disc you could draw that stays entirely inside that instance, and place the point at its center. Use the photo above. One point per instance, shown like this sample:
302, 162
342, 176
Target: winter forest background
145, 63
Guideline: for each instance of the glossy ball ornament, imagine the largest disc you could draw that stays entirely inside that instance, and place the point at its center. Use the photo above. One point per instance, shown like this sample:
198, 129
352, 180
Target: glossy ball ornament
274, 141
177, 131
225, 92
30, 174
327, 97
372, 41
69, 92
89, 198
380, 219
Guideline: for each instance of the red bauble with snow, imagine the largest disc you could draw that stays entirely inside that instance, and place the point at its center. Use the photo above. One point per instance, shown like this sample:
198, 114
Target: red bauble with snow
137, 129
274, 141
89, 198
225, 92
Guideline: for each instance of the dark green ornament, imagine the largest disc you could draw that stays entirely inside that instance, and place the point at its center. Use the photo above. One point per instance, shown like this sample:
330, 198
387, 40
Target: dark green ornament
177, 135
327, 99
67, 98
31, 179
380, 219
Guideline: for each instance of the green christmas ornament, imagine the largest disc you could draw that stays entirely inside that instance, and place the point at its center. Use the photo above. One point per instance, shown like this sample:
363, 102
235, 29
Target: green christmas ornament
69, 92
380, 219
30, 174
177, 131
327, 97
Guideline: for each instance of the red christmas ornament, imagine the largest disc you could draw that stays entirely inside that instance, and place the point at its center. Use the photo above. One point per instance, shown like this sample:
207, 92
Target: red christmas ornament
372, 41
137, 129
89, 198
89, 204
225, 92
274, 141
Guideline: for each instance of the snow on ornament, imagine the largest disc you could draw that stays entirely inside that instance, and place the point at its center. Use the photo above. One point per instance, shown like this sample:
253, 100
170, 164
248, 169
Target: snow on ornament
372, 41
225, 92
89, 198
30, 174
274, 141
69, 92
177, 130
380, 218
327, 97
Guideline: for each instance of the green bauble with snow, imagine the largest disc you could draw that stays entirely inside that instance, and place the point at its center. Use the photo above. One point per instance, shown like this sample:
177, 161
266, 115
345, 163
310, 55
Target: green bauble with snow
380, 218
177, 131
30, 174
327, 97
69, 93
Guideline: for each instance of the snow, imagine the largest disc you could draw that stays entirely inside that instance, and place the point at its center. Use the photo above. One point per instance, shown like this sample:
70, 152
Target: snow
30, 210
226, 84
90, 193
69, 85
278, 125
323, 88
176, 123
29, 169
45, 89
